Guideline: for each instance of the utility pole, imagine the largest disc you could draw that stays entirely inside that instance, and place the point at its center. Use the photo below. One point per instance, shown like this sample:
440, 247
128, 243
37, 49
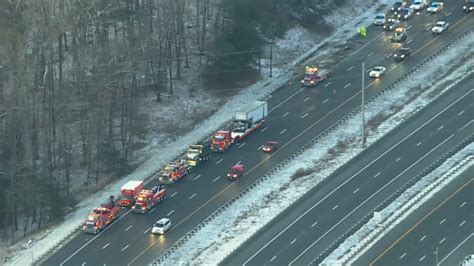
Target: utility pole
363, 106
436, 256
271, 59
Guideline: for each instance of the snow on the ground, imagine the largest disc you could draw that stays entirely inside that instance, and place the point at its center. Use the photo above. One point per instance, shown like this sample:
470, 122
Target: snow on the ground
409, 201
162, 149
245, 217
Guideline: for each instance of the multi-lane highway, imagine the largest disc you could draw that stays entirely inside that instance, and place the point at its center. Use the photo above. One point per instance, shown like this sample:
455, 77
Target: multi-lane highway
441, 231
296, 116
303, 232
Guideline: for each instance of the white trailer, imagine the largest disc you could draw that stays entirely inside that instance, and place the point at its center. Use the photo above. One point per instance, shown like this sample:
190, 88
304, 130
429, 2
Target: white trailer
248, 119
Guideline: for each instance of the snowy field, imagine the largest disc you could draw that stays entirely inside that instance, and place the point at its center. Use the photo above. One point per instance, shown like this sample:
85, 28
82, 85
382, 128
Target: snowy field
245, 217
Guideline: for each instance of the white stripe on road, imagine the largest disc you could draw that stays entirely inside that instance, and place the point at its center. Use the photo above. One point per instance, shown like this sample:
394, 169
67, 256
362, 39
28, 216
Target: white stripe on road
294, 240
355, 191
452, 251
198, 176
325, 101
84, 263
283, 131
422, 238
463, 204
105, 246
418, 144
239, 162
351, 178
460, 113
152, 210
315, 223
128, 228
463, 127
169, 213
192, 196
462, 223
287, 99
285, 114
147, 230
409, 27
219, 161
348, 84
263, 130
215, 179
402, 256
307, 99
377, 174
335, 207
273, 258
370, 54
305, 115
441, 127
327, 84
442, 221
349, 69
174, 194
422, 258
124, 248
442, 240
409, 41
241, 145
259, 148
398, 159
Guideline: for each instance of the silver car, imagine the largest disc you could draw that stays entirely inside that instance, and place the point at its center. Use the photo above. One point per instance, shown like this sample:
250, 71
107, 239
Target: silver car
161, 226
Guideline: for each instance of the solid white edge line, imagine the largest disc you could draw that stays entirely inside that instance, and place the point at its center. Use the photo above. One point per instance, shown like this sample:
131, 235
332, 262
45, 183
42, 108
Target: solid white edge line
452, 251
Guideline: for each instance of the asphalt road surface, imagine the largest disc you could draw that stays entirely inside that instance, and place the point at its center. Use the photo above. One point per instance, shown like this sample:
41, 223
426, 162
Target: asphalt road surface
309, 226
444, 224
296, 116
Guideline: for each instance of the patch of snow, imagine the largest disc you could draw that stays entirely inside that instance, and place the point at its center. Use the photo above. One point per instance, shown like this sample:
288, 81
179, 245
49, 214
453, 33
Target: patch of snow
410, 200
216, 240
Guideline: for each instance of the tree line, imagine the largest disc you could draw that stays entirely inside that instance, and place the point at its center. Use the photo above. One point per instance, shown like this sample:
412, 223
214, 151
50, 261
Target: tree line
73, 73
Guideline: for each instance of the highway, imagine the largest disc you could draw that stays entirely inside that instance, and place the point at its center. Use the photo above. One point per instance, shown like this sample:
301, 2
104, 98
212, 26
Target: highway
301, 233
296, 116
444, 224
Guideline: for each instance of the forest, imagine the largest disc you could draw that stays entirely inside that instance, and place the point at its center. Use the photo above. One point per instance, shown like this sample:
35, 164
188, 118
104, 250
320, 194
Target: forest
72, 76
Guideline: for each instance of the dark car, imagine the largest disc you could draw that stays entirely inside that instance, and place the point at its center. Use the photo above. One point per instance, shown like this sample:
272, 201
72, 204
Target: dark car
402, 53
468, 6
390, 24
398, 5
236, 172
405, 13
270, 147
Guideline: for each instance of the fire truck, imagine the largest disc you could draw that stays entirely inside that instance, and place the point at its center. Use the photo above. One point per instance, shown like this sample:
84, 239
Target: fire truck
128, 192
174, 171
149, 198
221, 141
101, 217
313, 75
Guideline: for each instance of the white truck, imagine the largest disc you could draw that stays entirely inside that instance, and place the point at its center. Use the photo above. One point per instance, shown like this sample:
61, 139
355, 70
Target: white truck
248, 119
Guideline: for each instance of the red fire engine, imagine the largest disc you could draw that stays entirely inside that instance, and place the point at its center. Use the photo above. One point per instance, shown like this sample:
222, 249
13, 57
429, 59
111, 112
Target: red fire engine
221, 141
149, 198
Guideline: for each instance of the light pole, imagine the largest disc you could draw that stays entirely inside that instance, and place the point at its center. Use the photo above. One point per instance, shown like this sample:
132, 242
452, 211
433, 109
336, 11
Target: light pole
436, 256
363, 106
271, 59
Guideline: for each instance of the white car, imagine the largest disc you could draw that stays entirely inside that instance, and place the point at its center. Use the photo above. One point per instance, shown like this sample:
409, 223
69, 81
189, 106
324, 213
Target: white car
418, 5
435, 7
377, 72
161, 226
440, 27
379, 19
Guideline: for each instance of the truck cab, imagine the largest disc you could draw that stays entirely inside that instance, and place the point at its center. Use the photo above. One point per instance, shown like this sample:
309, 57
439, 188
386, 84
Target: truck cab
236, 172
221, 141
197, 153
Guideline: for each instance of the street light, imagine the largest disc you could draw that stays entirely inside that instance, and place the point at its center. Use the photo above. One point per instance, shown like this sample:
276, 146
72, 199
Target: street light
363, 106
436, 256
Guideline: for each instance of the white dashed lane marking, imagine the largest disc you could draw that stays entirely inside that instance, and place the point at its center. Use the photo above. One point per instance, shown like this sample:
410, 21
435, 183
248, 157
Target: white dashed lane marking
402, 256
305, 115
462, 204
348, 84
422, 238
460, 113
192, 196
418, 144
377, 174
315, 223
325, 101
442, 221
215, 179
283, 131
335, 207
273, 258
285, 114
441, 127
442, 240
398, 159
263, 130
370, 54
147, 230
349, 69
169, 213
241, 145
294, 240
307, 99
105, 246
174, 194
128, 228
124, 248
219, 161
197, 177
422, 258
355, 191
259, 148
327, 84
462, 223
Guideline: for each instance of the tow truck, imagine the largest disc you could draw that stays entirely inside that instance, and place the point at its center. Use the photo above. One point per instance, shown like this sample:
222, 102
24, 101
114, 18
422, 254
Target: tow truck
174, 171
400, 35
101, 217
149, 198
313, 75
221, 141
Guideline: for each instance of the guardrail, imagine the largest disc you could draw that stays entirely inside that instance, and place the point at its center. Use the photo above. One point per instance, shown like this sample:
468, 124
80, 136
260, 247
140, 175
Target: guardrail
319, 259
305, 147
